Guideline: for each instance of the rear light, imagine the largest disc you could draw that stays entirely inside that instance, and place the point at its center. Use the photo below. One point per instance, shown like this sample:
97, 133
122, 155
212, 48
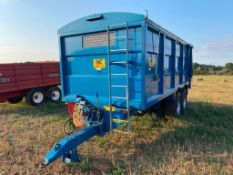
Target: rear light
71, 109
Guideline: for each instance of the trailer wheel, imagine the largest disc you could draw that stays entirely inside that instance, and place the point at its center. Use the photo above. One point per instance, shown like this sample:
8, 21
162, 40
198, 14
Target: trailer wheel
54, 94
184, 100
172, 106
35, 97
15, 100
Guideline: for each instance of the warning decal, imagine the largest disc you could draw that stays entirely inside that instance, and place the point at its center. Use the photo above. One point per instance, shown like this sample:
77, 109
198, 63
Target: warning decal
99, 64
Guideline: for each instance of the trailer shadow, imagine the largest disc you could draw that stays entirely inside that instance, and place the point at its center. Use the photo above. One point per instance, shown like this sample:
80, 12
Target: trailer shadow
204, 123
203, 134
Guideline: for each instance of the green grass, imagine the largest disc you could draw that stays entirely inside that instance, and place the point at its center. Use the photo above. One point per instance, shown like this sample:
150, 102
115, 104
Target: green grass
200, 142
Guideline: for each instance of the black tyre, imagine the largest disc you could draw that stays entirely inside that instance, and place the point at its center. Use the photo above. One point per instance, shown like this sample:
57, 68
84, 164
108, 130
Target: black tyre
35, 97
15, 100
172, 105
184, 100
54, 94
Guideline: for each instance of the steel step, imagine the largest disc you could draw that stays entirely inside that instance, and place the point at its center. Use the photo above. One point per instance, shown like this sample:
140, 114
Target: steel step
118, 50
118, 62
119, 121
118, 97
119, 86
119, 74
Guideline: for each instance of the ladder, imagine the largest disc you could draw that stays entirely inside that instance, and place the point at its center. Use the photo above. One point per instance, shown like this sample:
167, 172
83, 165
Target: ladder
125, 74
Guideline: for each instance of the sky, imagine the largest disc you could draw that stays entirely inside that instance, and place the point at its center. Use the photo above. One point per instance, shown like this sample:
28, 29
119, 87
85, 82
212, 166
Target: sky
28, 28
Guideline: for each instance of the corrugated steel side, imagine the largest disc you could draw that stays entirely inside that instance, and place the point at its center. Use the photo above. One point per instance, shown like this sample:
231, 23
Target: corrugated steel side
157, 69
22, 76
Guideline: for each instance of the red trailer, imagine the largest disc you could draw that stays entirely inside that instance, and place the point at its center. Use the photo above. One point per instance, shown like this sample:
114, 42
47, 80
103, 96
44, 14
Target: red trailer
37, 82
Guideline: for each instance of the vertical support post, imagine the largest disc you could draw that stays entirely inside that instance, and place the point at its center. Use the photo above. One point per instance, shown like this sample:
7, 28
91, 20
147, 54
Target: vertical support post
127, 78
143, 61
185, 63
181, 63
157, 69
109, 81
161, 62
173, 60
191, 61
62, 67
191, 65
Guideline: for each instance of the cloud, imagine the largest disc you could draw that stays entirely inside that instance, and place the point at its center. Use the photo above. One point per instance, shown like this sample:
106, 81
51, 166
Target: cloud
223, 44
217, 52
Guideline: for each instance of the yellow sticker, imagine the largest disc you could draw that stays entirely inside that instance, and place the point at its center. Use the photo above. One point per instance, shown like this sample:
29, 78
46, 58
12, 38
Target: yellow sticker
99, 64
151, 62
107, 108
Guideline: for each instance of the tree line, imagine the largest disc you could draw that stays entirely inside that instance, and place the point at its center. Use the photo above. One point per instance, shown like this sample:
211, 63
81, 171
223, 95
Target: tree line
203, 69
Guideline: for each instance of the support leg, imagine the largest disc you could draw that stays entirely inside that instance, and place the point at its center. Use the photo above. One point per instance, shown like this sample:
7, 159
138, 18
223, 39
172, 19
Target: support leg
71, 156
66, 147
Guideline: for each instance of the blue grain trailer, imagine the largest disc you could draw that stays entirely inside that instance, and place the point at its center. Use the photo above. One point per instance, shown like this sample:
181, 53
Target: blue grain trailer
112, 66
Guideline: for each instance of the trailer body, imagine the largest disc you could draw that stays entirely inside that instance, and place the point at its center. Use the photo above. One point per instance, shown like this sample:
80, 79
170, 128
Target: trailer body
17, 79
113, 65
160, 62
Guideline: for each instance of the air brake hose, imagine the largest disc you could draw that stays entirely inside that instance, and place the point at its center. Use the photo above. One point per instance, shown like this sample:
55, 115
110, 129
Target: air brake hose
69, 126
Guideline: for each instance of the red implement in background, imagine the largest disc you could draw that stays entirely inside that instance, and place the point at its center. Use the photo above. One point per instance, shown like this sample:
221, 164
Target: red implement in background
35, 81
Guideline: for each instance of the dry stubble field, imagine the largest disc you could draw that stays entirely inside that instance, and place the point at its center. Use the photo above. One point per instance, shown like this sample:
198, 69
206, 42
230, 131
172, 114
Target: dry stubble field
200, 142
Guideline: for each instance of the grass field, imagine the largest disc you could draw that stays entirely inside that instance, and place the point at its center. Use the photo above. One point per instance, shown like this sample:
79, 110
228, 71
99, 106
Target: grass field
200, 142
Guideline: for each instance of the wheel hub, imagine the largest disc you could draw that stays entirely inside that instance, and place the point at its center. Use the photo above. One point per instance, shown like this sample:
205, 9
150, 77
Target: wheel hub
55, 95
184, 103
38, 97
178, 107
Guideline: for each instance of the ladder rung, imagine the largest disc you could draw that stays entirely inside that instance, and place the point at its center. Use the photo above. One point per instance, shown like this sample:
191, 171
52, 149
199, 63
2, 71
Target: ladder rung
119, 74
119, 97
119, 120
119, 86
124, 132
118, 62
117, 50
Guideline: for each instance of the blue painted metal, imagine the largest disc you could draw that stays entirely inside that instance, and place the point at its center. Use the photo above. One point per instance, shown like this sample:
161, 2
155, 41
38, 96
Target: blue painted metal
144, 88
69, 143
71, 156
82, 25
148, 84
161, 63
180, 64
173, 56
66, 147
